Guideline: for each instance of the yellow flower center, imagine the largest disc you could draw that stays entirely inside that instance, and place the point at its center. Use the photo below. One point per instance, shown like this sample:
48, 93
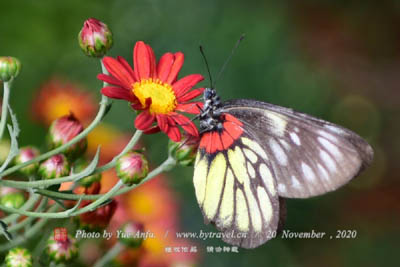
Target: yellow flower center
162, 95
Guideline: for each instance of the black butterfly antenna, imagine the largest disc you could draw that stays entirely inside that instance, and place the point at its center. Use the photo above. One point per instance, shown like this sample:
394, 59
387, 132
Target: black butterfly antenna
229, 57
207, 66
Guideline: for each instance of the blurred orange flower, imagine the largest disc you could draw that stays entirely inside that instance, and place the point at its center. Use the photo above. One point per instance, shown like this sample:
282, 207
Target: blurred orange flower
154, 205
111, 140
58, 97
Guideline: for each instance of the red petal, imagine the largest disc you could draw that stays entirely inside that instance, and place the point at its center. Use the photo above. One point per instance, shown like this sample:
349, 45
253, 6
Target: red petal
176, 67
118, 71
144, 120
164, 66
186, 83
186, 124
142, 59
162, 122
151, 130
192, 108
173, 131
126, 65
109, 79
117, 93
190, 95
153, 73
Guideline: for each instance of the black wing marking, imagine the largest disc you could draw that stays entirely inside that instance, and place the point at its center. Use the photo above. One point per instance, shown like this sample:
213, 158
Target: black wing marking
309, 156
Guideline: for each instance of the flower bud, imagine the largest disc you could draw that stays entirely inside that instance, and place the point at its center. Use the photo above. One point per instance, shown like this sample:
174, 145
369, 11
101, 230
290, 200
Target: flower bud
26, 154
185, 150
54, 167
63, 130
98, 219
131, 234
95, 38
18, 257
9, 68
12, 198
132, 168
88, 180
61, 251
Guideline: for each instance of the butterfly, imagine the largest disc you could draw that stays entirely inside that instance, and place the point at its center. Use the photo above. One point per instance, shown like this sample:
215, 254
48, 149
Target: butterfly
252, 154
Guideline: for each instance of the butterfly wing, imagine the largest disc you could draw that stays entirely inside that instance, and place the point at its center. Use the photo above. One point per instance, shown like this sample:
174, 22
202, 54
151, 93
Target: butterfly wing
308, 156
236, 189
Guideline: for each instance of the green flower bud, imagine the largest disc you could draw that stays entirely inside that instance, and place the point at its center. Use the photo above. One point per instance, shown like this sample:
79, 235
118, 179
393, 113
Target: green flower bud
184, 151
18, 257
63, 250
13, 200
132, 168
131, 234
27, 154
55, 167
95, 38
63, 130
79, 166
9, 68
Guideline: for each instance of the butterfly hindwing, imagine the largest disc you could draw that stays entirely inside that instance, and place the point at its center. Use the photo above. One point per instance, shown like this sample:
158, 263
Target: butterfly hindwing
236, 191
309, 156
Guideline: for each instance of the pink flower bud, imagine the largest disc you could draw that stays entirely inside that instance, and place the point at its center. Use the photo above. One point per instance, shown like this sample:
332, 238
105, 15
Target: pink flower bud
26, 154
95, 38
63, 130
132, 168
61, 251
9, 68
98, 219
55, 167
185, 150
131, 234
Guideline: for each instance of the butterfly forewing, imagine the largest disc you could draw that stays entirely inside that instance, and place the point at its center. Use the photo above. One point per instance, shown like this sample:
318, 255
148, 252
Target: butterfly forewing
308, 156
236, 191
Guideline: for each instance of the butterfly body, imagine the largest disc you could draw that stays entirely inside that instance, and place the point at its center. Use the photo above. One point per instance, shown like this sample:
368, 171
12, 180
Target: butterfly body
253, 153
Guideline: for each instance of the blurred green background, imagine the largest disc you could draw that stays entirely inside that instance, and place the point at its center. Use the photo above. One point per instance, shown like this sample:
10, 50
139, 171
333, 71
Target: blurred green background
338, 60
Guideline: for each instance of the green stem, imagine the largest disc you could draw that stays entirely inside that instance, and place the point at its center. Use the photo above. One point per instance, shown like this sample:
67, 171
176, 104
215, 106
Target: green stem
70, 212
100, 115
163, 167
135, 138
28, 234
29, 204
45, 183
4, 108
28, 220
83, 134
110, 255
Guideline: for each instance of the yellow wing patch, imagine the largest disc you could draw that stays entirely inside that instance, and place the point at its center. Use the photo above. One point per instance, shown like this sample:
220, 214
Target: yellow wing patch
267, 178
253, 208
255, 147
236, 190
200, 179
227, 204
266, 205
242, 217
238, 163
215, 182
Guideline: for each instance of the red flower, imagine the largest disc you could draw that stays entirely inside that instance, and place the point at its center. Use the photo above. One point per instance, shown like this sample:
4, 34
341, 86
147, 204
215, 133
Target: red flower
154, 90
